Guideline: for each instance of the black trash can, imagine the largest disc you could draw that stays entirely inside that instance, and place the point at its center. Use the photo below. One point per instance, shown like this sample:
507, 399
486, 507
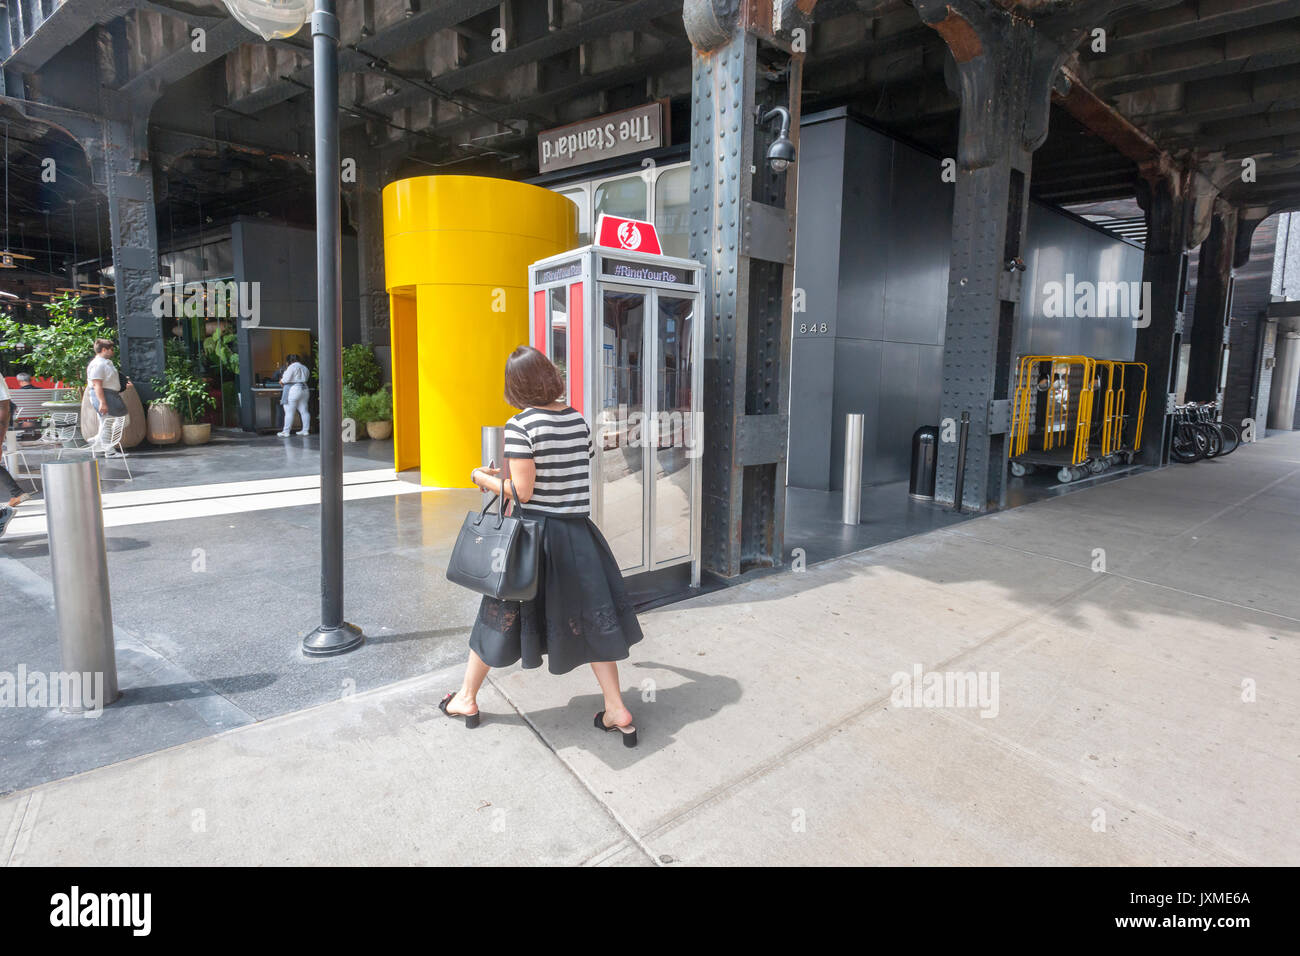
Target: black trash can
925, 460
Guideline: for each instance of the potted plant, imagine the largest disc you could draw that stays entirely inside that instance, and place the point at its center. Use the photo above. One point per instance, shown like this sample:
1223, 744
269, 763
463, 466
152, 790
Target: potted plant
376, 409
185, 395
164, 418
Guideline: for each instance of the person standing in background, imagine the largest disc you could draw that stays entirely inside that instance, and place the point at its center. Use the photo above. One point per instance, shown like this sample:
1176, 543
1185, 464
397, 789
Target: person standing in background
15, 492
294, 396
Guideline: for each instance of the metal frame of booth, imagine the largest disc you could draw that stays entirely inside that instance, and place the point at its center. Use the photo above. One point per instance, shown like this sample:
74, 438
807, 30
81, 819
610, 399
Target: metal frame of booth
585, 275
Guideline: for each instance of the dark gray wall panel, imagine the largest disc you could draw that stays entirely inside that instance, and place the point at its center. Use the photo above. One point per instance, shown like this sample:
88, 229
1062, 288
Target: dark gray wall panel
900, 390
864, 244
1059, 247
812, 365
816, 274
857, 389
920, 224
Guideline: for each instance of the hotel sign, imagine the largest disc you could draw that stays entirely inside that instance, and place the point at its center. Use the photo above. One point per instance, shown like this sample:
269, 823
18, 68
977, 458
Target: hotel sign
603, 137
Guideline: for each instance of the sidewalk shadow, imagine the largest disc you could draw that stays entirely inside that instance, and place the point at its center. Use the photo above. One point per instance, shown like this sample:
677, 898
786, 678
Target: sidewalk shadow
194, 689
657, 722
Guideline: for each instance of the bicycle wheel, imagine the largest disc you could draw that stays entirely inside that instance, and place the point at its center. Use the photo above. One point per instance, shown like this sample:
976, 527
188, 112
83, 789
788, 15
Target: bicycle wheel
1188, 444
1214, 441
1231, 438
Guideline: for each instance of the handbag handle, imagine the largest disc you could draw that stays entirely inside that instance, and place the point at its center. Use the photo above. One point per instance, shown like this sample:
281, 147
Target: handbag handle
499, 499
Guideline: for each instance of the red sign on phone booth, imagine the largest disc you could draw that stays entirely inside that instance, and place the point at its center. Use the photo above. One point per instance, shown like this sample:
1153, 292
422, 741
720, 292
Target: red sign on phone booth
632, 235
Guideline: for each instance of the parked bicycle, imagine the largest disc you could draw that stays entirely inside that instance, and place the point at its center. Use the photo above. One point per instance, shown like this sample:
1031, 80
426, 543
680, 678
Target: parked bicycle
1198, 433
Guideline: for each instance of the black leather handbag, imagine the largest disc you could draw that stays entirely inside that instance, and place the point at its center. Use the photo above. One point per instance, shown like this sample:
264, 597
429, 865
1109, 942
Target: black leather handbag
497, 554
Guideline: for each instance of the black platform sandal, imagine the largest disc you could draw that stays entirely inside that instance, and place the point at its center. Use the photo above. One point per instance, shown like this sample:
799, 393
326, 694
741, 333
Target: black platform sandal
471, 720
629, 736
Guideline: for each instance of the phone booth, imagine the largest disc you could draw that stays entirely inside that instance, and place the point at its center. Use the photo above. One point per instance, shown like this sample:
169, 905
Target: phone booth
625, 325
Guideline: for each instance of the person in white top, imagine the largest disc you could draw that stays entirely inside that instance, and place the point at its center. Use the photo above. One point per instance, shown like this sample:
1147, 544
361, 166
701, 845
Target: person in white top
105, 389
16, 494
294, 396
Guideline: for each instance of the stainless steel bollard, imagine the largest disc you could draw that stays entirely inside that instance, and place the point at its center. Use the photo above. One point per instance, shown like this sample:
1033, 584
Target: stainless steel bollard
494, 445
852, 467
79, 565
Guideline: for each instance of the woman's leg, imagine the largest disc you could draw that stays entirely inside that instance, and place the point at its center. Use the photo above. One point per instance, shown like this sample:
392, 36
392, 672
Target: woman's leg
475, 672
302, 411
615, 712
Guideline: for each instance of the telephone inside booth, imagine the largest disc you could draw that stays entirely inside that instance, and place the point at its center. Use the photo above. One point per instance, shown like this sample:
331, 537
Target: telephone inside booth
625, 324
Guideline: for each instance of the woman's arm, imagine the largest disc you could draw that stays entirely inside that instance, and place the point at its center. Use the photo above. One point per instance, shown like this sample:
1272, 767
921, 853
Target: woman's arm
523, 475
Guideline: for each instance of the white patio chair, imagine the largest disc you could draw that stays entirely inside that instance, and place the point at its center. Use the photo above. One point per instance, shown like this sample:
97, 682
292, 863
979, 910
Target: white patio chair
61, 431
109, 439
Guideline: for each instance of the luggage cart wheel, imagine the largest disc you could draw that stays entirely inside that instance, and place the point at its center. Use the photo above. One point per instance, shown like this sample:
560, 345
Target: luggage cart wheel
1065, 475
1097, 465
1018, 469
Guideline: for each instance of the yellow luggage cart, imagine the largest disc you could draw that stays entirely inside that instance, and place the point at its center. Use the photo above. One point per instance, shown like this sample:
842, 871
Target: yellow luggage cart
1076, 414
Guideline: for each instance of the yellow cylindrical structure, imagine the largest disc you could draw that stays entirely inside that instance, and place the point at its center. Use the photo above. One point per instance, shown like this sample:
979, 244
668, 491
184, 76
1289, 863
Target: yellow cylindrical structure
456, 257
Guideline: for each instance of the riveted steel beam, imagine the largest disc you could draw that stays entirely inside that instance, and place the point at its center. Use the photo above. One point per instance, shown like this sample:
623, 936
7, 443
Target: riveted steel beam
1213, 305
1167, 197
742, 230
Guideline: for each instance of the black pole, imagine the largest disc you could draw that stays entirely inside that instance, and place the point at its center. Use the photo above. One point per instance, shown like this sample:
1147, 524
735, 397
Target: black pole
960, 477
334, 636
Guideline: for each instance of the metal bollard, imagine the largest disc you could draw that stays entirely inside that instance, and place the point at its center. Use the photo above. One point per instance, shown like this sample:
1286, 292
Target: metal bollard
494, 445
79, 565
853, 423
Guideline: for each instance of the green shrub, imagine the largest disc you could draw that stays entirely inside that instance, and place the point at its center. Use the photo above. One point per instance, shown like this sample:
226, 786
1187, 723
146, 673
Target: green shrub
375, 407
350, 402
361, 370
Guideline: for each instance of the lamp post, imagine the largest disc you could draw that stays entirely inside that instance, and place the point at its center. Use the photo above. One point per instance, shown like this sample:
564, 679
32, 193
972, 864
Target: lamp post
281, 18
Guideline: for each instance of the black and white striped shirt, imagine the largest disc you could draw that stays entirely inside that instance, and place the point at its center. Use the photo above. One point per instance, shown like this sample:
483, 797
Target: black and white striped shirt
559, 443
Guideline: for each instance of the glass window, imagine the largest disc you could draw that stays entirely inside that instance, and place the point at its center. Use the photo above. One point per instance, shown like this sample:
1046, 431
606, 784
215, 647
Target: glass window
625, 196
620, 444
675, 432
559, 344
673, 210
579, 196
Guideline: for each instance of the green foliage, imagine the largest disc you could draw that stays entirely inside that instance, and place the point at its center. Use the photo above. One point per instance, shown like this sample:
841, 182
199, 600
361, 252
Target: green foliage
180, 388
361, 369
222, 351
350, 402
60, 350
375, 407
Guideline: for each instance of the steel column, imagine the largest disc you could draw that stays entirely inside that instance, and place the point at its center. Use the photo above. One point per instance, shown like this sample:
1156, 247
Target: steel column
742, 230
1003, 76
1163, 195
134, 234
1213, 306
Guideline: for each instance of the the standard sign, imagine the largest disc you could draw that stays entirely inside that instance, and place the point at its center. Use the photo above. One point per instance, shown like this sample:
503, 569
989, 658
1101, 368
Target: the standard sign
614, 134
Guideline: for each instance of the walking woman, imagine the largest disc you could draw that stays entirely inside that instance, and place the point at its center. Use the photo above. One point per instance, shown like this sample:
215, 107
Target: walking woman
581, 614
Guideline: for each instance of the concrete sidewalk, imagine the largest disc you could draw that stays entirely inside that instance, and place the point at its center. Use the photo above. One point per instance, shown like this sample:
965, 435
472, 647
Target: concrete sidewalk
1144, 636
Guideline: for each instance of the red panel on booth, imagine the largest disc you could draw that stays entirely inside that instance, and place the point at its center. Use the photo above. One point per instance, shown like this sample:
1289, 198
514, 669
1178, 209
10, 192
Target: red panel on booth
576, 368
539, 322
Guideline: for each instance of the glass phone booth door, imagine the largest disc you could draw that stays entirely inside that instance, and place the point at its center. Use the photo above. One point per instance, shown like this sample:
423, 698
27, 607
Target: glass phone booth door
639, 386
644, 438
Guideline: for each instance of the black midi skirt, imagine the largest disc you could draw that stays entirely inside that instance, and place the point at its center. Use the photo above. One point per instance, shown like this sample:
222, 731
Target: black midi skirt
581, 614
